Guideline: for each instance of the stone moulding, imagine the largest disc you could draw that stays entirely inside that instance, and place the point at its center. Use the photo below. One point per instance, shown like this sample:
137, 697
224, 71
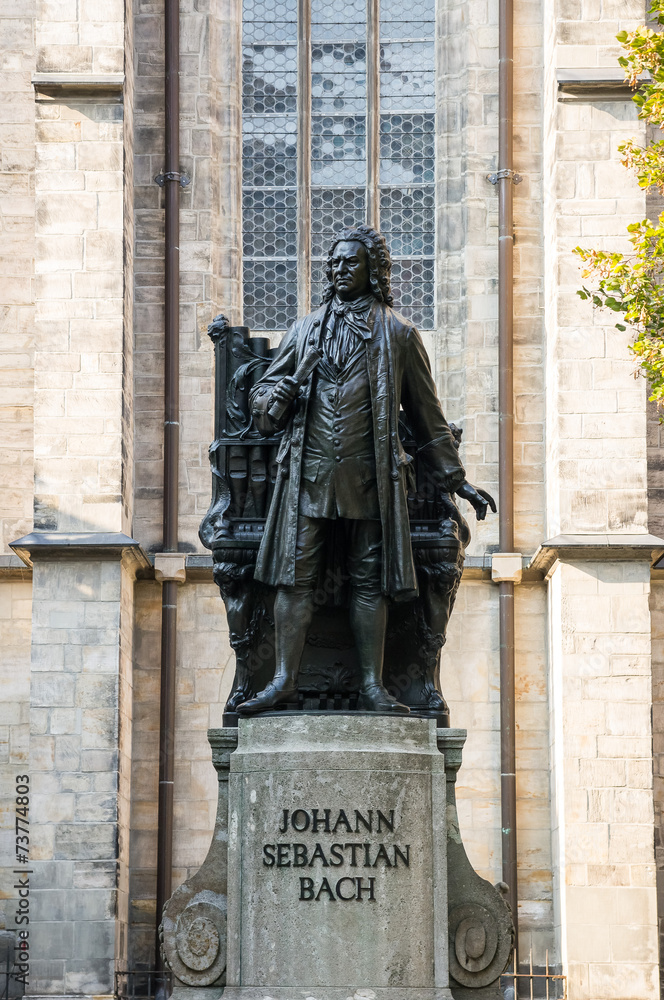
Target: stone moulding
596, 83
170, 566
79, 545
606, 547
506, 566
81, 85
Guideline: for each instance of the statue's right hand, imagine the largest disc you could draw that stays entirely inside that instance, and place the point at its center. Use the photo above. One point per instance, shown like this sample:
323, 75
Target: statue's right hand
285, 391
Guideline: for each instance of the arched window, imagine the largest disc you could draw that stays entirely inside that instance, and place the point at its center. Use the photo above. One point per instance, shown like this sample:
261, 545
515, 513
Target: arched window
338, 119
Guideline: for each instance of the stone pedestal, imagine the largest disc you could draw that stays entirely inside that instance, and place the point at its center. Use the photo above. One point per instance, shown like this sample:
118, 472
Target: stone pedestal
331, 878
337, 858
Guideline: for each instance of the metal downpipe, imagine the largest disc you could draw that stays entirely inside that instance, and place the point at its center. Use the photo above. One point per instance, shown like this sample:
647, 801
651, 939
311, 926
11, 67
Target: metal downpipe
506, 445
171, 454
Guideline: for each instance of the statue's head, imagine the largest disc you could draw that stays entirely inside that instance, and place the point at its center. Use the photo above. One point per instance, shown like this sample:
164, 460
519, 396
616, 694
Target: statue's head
376, 257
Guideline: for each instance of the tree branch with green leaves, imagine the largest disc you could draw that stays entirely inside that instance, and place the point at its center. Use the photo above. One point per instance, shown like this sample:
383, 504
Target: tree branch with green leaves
632, 283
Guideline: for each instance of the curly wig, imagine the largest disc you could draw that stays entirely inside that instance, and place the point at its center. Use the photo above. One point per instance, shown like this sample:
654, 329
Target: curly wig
380, 262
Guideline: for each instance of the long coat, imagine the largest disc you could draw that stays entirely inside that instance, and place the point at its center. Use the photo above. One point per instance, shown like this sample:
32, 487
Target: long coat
399, 376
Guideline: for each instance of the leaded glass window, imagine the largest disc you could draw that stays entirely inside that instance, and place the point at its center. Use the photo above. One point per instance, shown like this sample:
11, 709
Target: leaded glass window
338, 129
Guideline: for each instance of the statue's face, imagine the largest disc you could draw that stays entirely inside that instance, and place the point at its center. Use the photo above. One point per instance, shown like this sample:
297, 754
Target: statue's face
350, 270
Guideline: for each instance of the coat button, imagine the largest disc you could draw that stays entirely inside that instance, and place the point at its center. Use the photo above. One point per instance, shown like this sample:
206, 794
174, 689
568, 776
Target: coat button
394, 476
337, 458
336, 442
316, 322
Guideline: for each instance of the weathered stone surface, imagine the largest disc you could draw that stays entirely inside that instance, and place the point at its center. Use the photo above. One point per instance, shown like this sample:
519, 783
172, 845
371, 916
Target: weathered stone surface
282, 755
480, 925
369, 904
604, 880
80, 771
193, 926
568, 360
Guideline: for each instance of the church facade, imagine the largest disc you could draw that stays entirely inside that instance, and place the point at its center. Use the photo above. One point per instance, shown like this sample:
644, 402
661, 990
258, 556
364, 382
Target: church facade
397, 111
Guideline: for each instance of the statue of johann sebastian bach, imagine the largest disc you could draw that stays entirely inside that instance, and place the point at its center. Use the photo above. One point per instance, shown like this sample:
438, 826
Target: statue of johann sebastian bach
336, 388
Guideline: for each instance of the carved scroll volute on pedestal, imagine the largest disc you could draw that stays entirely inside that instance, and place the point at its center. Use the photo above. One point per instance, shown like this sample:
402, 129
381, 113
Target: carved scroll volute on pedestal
193, 929
480, 925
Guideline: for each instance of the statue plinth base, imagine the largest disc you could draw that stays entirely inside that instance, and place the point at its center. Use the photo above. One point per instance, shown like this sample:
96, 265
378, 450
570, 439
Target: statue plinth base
337, 878
336, 870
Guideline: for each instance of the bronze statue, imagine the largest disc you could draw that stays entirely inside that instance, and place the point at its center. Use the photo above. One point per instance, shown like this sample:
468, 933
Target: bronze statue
335, 390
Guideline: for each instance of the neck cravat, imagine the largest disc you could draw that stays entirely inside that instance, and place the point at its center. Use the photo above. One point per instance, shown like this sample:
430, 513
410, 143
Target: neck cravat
347, 322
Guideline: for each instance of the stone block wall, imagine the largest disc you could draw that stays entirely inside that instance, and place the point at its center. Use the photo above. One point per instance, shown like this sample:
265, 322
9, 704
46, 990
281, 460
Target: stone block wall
596, 437
144, 774
17, 212
79, 733
80, 36
470, 680
655, 453
599, 656
203, 159
81, 274
529, 279
598, 409
533, 769
66, 352
17, 226
467, 340
204, 674
657, 620
465, 355
601, 752
80, 352
15, 622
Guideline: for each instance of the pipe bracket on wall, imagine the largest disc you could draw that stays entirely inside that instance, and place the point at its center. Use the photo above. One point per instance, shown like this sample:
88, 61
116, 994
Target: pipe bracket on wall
501, 174
172, 175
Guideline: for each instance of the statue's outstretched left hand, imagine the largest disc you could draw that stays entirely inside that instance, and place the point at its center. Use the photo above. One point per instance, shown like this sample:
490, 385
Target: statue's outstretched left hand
479, 499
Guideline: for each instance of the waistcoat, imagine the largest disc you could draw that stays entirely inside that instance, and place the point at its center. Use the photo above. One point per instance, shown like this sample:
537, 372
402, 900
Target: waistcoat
338, 460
